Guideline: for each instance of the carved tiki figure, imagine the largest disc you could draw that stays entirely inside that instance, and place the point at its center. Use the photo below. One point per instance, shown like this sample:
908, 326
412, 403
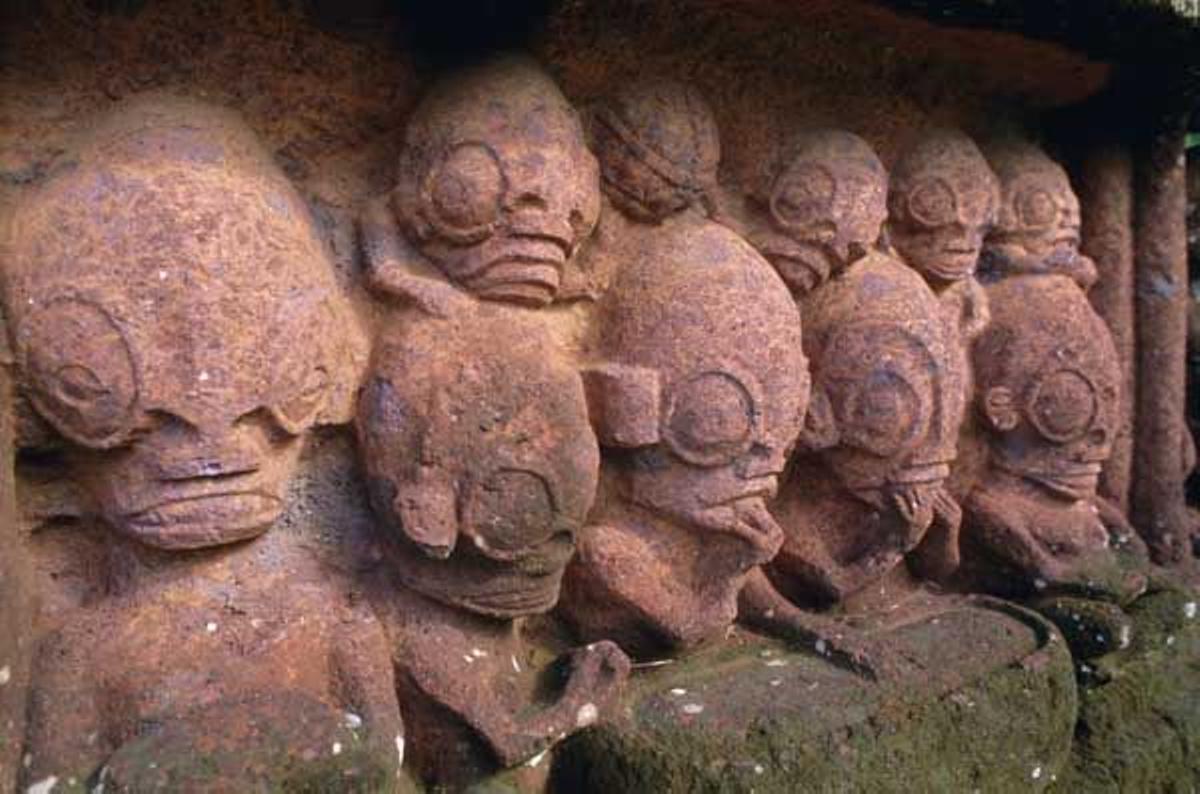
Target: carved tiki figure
480, 459
1048, 390
496, 188
176, 322
1038, 225
817, 206
698, 396
659, 149
879, 438
941, 203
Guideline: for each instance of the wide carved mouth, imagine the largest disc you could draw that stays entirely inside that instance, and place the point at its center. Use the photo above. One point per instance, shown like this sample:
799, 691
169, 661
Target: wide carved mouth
921, 474
199, 521
526, 270
1074, 481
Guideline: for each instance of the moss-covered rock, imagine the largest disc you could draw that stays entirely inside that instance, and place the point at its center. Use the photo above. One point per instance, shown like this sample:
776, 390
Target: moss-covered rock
986, 703
1139, 730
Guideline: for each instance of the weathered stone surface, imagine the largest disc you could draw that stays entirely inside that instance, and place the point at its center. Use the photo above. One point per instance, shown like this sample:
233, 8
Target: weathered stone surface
989, 706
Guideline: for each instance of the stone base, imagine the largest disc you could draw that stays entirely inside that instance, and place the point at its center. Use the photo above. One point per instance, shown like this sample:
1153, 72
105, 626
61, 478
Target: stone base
987, 702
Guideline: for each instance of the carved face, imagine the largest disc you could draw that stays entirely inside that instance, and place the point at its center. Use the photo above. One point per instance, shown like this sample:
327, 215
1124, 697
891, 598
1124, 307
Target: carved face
707, 393
943, 200
888, 392
1048, 384
176, 324
658, 147
479, 453
496, 185
824, 205
1039, 221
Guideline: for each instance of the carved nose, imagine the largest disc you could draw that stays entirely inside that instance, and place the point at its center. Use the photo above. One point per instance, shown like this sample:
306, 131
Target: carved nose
761, 461
189, 453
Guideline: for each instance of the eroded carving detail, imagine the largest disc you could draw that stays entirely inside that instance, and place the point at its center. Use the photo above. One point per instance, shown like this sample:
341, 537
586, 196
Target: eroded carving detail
178, 325
817, 207
697, 393
1037, 227
1048, 391
942, 201
496, 187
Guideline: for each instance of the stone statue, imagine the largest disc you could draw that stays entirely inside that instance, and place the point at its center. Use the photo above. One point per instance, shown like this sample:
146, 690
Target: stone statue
496, 188
177, 324
481, 463
942, 201
473, 425
1037, 228
659, 148
1048, 390
697, 391
880, 435
817, 207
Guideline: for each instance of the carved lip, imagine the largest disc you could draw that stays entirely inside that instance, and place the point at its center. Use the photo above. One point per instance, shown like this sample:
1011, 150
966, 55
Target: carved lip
527, 270
210, 519
1074, 480
918, 474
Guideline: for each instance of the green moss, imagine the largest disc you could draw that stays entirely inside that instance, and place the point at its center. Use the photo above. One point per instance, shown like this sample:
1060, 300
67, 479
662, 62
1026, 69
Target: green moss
1140, 731
1001, 727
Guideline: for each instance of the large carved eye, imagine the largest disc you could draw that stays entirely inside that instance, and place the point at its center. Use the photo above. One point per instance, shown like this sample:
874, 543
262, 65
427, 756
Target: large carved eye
882, 413
466, 189
803, 195
1063, 406
1036, 208
513, 510
710, 419
299, 410
80, 371
932, 203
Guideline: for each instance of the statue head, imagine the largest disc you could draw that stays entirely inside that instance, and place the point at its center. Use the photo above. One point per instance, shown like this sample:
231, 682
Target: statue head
1047, 384
819, 205
479, 457
177, 322
888, 388
942, 201
658, 147
496, 184
704, 382
1037, 230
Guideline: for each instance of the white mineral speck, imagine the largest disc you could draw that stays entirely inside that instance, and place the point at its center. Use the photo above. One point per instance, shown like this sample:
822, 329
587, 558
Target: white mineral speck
5, 675
1040, 584
203, 376
586, 715
478, 653
400, 750
692, 708
678, 691
777, 663
516, 665
1125, 636
1189, 610
1037, 772
758, 769
337, 748
537, 759
162, 275
821, 647
1170, 640
210, 627
353, 721
43, 786
776, 682
468, 658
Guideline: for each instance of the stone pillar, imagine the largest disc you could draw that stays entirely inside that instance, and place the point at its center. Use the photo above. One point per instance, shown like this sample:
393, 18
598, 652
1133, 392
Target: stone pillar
15, 605
1104, 182
1158, 507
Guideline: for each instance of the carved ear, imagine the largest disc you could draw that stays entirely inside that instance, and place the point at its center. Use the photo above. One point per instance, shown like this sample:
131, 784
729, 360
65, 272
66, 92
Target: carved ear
999, 408
624, 404
820, 426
